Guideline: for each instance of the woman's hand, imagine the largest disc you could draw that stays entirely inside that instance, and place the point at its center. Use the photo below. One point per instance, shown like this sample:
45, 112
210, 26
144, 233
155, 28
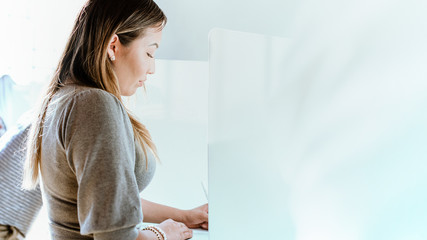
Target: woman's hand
197, 217
175, 230
194, 218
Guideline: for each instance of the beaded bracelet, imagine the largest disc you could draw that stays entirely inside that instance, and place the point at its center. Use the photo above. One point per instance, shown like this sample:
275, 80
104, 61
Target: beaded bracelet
158, 231
161, 232
154, 231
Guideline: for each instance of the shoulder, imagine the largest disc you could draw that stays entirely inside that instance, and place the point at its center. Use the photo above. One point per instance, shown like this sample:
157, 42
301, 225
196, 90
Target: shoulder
89, 100
88, 106
88, 112
95, 95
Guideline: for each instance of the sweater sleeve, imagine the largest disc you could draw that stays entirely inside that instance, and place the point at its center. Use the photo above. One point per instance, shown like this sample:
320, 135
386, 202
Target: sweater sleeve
98, 140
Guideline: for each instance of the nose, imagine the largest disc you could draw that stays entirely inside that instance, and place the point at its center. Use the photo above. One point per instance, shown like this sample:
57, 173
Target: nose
152, 68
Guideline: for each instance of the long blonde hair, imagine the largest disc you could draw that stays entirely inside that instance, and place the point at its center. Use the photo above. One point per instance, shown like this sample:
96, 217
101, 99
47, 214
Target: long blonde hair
85, 62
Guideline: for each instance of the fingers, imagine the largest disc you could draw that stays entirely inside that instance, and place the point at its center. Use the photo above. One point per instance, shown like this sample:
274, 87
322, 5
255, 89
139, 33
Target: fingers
176, 230
202, 215
202, 218
205, 225
187, 234
197, 217
205, 216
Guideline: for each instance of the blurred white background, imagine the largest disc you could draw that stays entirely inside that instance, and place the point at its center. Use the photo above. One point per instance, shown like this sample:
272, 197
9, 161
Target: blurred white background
349, 111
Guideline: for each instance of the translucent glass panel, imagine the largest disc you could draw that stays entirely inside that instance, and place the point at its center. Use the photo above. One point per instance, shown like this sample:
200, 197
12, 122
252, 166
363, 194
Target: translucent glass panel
313, 139
247, 195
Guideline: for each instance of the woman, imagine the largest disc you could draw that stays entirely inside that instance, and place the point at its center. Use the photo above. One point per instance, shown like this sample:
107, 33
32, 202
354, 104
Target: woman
94, 157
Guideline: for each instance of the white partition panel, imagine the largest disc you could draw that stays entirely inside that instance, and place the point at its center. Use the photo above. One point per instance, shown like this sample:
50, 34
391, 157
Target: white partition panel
247, 196
314, 140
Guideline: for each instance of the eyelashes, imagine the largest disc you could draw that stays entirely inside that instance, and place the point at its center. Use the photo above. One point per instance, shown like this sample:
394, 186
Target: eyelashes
149, 55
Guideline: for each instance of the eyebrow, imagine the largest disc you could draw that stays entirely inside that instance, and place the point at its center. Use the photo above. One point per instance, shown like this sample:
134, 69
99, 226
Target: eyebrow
154, 44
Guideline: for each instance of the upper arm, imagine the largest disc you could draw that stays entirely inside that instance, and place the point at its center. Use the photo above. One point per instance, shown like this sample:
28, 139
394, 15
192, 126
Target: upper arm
99, 145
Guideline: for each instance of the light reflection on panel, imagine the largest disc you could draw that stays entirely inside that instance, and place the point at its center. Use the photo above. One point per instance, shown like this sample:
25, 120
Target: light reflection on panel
248, 199
354, 100
316, 140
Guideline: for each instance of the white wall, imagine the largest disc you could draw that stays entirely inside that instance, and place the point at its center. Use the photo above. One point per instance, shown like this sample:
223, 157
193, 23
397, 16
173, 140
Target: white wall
35, 31
189, 22
33, 36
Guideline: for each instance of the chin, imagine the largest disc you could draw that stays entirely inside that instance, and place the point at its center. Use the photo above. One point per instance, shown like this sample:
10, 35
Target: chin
128, 93
132, 92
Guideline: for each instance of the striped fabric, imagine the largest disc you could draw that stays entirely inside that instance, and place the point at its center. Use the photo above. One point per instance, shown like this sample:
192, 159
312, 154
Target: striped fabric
17, 207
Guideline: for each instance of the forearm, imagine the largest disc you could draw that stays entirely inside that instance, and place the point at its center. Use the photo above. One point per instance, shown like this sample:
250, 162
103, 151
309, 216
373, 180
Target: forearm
157, 213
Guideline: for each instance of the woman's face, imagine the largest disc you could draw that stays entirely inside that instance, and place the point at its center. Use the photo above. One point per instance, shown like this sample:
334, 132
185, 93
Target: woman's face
133, 62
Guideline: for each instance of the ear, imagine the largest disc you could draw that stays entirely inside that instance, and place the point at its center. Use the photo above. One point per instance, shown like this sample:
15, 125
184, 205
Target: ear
113, 46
